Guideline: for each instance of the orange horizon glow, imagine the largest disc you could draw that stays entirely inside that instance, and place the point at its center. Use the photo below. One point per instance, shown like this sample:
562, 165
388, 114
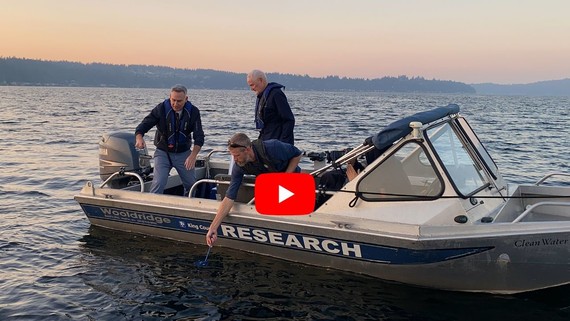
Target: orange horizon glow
472, 42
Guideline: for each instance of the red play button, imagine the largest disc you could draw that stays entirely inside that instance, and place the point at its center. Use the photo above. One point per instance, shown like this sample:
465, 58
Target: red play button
284, 194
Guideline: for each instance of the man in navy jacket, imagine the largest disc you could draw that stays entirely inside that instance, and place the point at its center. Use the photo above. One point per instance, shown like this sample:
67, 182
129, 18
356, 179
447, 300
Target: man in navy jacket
176, 119
273, 116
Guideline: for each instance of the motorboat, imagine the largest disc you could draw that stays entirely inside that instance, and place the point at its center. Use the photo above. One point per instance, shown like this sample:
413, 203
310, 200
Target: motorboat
429, 209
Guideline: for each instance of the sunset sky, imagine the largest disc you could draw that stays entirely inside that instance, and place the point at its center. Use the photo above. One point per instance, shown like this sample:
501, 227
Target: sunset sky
500, 41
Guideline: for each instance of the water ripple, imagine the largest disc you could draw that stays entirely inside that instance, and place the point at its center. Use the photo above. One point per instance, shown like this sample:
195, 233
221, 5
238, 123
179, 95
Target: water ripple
55, 266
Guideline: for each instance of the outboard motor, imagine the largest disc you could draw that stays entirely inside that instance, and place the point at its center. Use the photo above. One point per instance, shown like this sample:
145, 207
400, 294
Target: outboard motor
117, 152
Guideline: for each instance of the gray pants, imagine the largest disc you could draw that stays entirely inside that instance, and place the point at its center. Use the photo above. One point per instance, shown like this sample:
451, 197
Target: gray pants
162, 167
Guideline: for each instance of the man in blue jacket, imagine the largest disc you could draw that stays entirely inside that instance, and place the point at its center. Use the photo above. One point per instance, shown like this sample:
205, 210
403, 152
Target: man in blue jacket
273, 116
253, 158
176, 119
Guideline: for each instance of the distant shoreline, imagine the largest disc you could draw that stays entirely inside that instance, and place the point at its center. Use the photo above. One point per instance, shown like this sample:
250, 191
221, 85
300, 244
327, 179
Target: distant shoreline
30, 72
20, 72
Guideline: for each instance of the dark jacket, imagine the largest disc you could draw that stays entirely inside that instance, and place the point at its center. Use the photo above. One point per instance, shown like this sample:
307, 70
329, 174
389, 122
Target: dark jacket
190, 123
276, 114
272, 151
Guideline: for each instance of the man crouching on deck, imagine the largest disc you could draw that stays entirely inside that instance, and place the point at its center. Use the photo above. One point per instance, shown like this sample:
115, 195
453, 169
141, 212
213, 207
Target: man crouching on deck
253, 158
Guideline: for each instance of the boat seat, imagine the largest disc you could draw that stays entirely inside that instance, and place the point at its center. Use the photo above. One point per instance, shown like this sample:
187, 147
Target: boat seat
245, 193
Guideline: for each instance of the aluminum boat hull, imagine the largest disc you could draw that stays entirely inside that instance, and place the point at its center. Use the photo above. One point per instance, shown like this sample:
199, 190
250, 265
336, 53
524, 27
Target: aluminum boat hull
499, 258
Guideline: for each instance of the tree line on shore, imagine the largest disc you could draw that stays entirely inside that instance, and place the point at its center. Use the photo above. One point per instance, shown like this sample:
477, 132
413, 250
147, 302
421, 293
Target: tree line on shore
31, 72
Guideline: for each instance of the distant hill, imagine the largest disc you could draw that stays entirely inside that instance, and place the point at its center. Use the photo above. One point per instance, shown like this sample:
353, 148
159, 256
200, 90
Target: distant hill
542, 88
22, 72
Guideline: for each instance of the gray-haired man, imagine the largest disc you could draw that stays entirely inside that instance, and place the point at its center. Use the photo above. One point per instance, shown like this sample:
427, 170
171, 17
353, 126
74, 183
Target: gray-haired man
176, 121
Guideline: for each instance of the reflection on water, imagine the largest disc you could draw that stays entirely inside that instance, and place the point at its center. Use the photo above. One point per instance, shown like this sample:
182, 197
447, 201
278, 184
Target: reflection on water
55, 266
157, 278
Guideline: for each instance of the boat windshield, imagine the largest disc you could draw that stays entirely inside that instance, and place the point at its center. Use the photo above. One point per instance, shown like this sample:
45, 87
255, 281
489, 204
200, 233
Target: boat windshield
407, 174
466, 176
474, 140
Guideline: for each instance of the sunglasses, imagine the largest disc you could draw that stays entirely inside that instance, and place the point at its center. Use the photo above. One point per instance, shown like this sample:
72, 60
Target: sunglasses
234, 145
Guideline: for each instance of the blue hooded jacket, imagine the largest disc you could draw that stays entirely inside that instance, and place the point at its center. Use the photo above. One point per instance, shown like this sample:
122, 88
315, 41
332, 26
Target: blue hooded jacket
273, 116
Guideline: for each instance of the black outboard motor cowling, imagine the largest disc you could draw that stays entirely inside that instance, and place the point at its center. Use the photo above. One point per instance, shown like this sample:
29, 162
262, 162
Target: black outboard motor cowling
117, 152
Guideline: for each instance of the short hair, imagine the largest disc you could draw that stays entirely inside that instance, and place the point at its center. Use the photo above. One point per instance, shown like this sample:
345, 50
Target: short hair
239, 140
179, 89
254, 74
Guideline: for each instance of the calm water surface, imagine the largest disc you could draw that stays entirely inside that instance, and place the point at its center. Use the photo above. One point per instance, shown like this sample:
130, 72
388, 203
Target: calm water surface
55, 266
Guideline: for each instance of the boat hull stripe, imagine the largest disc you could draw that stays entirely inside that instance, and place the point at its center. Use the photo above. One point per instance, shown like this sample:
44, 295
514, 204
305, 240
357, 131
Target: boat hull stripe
295, 241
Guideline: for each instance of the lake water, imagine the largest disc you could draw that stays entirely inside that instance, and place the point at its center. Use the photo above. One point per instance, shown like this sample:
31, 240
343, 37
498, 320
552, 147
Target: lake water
55, 266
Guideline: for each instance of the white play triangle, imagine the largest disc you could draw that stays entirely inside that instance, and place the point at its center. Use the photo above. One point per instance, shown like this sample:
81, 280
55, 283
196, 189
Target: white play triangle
284, 194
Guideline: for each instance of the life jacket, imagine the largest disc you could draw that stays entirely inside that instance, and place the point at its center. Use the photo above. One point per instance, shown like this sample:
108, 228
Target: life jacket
176, 134
262, 164
261, 102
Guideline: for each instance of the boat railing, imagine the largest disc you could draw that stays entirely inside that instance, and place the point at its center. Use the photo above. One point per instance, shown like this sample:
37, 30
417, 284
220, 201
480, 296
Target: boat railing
531, 209
549, 175
359, 150
216, 181
123, 173
316, 192
214, 151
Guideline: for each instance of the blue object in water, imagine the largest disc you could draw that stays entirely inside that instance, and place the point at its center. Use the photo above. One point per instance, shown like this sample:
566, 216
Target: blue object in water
205, 262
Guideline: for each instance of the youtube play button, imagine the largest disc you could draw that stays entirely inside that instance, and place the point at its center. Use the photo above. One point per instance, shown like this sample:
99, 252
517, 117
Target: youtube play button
284, 194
